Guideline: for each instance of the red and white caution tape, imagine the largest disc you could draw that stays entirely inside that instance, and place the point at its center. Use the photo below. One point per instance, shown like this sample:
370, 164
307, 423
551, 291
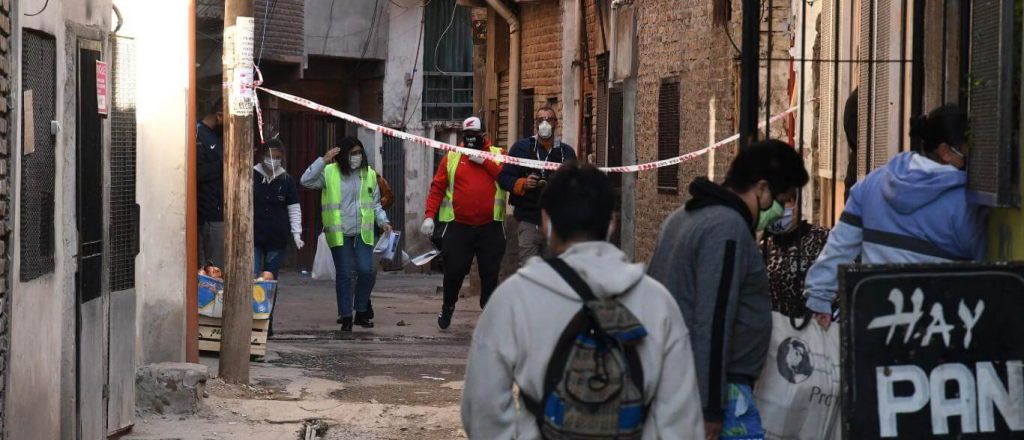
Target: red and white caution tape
528, 163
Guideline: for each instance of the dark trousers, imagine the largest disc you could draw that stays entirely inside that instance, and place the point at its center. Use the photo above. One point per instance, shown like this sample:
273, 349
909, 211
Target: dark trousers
461, 244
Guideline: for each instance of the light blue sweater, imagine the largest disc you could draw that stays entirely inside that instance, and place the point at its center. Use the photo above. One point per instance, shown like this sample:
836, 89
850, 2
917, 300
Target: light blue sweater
913, 210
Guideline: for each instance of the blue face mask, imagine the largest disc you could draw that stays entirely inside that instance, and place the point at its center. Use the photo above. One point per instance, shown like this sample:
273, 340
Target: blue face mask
785, 223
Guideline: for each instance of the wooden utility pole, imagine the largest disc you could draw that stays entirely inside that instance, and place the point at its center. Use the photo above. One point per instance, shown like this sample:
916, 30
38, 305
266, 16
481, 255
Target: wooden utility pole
238, 142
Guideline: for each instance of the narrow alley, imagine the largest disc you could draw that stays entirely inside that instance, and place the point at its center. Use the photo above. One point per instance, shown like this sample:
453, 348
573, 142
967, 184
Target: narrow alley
399, 380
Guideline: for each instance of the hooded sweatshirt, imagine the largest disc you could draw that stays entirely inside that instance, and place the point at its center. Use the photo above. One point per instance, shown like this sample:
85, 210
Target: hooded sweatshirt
523, 321
275, 206
914, 210
708, 259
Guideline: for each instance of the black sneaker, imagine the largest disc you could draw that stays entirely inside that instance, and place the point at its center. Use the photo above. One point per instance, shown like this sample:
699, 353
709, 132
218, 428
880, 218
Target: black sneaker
369, 310
363, 321
340, 320
346, 324
444, 319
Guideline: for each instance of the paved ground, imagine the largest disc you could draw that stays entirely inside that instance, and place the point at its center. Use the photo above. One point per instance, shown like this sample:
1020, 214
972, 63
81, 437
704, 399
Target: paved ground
400, 380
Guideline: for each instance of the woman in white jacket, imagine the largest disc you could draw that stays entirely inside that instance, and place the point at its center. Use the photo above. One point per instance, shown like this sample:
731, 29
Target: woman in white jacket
519, 329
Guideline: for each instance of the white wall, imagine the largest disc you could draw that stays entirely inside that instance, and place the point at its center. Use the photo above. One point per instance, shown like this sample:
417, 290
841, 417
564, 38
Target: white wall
161, 33
403, 37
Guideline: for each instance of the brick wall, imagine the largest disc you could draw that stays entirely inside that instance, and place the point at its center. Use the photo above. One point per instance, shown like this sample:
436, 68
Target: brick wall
5, 108
541, 25
676, 39
285, 33
542, 52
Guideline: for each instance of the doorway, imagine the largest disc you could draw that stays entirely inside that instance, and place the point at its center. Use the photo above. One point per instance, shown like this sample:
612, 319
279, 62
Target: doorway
89, 279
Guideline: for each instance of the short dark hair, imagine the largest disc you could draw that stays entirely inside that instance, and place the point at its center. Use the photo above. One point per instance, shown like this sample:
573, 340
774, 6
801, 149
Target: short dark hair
578, 200
771, 160
216, 107
348, 143
274, 144
944, 125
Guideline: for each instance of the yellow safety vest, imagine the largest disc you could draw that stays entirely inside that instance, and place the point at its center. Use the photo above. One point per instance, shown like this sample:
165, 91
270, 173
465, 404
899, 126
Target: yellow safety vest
330, 203
447, 212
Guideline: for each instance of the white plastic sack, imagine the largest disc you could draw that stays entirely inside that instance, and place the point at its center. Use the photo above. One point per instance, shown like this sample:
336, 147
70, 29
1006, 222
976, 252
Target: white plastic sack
798, 394
323, 262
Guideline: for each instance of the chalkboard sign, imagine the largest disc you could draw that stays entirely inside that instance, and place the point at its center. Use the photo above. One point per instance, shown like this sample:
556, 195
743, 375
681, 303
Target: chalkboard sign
933, 351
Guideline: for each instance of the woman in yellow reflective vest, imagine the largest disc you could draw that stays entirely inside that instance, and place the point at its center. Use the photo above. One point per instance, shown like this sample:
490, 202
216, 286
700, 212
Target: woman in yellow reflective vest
350, 204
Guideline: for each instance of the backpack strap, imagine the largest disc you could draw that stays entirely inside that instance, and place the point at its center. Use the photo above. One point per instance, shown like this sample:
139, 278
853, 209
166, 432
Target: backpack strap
556, 365
570, 276
560, 355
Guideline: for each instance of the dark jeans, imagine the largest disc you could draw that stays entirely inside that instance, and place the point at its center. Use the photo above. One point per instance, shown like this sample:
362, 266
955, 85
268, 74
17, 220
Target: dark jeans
211, 243
268, 259
461, 244
358, 255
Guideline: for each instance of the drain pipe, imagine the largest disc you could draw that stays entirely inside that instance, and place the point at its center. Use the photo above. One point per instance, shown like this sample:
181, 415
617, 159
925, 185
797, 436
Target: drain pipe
514, 80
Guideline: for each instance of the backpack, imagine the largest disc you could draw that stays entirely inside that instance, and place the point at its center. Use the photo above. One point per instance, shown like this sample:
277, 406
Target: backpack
593, 388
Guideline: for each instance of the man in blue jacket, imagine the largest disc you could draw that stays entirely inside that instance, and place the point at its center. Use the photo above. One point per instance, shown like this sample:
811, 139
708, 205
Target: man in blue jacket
210, 185
524, 184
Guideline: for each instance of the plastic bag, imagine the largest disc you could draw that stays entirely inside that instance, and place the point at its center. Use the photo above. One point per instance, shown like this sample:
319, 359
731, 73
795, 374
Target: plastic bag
323, 262
798, 394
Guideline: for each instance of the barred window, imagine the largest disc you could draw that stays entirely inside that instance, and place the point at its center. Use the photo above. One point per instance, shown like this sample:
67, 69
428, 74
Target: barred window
668, 134
447, 62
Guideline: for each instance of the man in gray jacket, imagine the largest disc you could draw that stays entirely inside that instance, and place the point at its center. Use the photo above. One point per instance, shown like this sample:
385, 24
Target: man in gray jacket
707, 257
519, 330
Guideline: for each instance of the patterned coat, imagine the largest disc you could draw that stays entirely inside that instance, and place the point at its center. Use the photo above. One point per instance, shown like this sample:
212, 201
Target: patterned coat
788, 257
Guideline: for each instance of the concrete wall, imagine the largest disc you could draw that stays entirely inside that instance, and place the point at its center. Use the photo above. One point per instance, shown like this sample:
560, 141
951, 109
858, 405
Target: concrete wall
161, 99
346, 28
42, 329
403, 89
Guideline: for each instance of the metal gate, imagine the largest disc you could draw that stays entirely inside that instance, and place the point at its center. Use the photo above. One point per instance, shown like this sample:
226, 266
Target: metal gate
39, 67
306, 137
878, 48
393, 153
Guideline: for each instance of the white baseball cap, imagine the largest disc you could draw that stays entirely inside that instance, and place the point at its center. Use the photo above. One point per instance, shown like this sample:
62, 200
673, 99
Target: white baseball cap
472, 123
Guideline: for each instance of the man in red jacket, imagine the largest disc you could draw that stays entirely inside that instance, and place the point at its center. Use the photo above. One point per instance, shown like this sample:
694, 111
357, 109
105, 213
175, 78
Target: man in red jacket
466, 199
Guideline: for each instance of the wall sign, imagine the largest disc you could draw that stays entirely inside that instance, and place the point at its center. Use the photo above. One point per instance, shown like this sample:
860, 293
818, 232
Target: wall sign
933, 351
101, 87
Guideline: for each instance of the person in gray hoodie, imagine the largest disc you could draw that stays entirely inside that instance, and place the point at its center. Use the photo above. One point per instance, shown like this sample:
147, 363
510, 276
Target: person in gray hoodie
707, 256
520, 327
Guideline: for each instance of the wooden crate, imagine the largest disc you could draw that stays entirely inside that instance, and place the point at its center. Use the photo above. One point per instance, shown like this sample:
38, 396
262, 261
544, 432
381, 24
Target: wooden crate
210, 333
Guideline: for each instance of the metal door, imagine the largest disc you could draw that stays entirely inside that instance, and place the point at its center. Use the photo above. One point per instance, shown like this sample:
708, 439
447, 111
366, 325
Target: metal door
306, 137
90, 276
124, 239
394, 173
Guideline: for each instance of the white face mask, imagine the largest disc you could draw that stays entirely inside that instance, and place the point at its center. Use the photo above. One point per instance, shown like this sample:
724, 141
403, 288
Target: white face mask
355, 161
271, 163
544, 130
785, 223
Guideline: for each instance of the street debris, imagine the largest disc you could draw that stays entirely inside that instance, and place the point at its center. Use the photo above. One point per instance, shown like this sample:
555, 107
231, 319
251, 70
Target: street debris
312, 429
